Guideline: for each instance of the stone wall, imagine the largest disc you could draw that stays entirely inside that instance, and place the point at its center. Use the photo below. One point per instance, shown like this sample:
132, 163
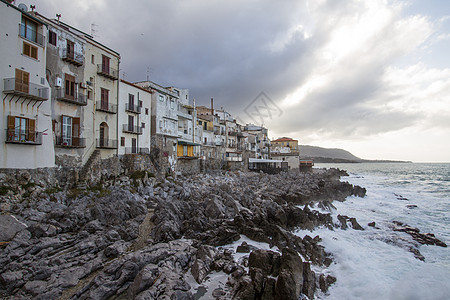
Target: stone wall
188, 166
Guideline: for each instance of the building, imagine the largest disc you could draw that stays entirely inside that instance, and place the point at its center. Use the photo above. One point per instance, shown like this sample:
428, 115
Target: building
286, 149
101, 72
164, 125
65, 74
134, 113
25, 122
263, 143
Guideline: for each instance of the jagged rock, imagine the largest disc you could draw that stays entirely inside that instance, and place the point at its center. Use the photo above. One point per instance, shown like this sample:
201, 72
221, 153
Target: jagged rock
422, 238
265, 260
371, 224
289, 284
9, 226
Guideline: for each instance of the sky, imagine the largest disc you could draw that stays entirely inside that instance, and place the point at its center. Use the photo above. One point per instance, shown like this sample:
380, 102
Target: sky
371, 77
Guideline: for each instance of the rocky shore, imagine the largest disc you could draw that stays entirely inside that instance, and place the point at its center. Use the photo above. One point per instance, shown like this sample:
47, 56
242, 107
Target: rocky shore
139, 237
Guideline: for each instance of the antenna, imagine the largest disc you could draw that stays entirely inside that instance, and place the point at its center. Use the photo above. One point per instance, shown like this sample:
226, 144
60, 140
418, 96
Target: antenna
93, 30
148, 73
32, 7
124, 74
58, 16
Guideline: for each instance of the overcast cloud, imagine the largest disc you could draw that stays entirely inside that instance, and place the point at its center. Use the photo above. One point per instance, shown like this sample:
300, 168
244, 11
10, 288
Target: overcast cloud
372, 77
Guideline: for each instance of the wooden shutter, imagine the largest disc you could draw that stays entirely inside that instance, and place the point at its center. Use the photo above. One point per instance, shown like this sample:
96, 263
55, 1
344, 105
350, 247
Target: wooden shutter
76, 131
26, 49
30, 50
104, 98
105, 64
34, 51
22, 81
31, 130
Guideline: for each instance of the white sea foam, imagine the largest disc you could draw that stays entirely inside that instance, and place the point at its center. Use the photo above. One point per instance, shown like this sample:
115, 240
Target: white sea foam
375, 263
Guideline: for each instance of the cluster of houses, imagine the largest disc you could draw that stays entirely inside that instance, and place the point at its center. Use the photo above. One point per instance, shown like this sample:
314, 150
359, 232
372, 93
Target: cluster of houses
63, 102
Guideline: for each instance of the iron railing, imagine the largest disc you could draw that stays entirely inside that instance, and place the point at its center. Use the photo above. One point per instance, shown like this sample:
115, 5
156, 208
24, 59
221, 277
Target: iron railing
106, 107
130, 128
107, 71
133, 108
77, 98
106, 143
22, 136
72, 57
136, 150
70, 142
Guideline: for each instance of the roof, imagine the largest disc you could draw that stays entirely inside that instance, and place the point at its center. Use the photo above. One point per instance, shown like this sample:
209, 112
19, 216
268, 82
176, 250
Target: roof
136, 86
284, 139
24, 12
260, 160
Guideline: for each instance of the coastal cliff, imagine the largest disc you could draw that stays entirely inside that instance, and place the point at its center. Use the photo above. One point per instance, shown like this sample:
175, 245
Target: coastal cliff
146, 238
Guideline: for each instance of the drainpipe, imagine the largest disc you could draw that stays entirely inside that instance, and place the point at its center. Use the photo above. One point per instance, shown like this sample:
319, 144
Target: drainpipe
137, 139
117, 115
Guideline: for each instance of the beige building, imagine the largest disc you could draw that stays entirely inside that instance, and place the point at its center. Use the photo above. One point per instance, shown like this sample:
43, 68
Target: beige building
101, 72
286, 149
25, 119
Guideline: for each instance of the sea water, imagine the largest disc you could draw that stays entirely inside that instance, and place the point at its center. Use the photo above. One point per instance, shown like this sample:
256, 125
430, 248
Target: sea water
376, 263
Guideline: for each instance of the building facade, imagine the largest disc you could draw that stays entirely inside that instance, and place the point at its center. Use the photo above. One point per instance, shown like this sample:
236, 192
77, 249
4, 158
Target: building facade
25, 122
134, 111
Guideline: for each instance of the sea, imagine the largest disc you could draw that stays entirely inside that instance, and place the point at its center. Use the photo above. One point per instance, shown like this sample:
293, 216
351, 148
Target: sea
376, 263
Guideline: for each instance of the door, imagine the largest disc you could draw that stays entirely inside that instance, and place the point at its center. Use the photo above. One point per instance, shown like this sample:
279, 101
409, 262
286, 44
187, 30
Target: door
133, 146
105, 64
69, 87
130, 123
66, 131
104, 99
76, 132
131, 102
103, 135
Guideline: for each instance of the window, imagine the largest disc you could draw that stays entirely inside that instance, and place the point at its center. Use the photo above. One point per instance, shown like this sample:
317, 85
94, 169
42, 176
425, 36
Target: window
52, 38
69, 86
122, 141
92, 60
30, 50
89, 95
21, 129
140, 103
146, 111
130, 123
104, 94
22, 81
161, 98
66, 131
28, 30
143, 125
160, 124
172, 104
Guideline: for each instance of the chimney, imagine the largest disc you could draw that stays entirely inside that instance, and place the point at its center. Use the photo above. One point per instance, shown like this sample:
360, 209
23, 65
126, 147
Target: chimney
212, 107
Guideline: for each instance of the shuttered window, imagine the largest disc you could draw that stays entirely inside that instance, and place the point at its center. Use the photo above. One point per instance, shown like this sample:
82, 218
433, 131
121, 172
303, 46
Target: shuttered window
30, 50
21, 129
104, 94
69, 86
22, 81
52, 38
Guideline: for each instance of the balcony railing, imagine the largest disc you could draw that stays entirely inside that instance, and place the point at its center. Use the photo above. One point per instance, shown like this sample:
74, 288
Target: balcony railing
20, 136
129, 128
107, 71
106, 107
106, 144
70, 142
133, 108
77, 98
72, 57
219, 143
135, 150
212, 144
31, 35
23, 88
184, 115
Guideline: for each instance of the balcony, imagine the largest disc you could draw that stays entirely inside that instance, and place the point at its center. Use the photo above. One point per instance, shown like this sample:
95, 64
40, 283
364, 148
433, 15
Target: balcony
70, 142
184, 115
106, 144
219, 143
31, 35
77, 98
133, 108
135, 150
25, 137
106, 107
107, 71
233, 158
25, 89
211, 144
129, 128
72, 57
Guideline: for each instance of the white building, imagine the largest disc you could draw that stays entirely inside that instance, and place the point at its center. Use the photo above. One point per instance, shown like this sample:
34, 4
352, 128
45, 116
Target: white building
25, 122
134, 113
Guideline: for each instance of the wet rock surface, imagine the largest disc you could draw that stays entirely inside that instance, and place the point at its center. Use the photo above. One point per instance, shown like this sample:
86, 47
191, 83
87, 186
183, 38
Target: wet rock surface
143, 238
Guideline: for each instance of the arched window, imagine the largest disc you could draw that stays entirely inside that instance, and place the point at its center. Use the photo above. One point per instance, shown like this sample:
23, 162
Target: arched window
104, 134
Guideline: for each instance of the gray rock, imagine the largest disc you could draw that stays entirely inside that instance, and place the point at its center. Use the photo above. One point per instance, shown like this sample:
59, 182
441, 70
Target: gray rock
9, 226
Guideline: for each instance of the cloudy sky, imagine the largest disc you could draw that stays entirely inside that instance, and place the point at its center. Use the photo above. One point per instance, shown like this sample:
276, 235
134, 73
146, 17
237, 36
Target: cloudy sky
372, 77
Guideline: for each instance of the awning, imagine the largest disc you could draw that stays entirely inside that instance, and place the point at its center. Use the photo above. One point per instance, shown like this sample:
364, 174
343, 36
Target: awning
188, 143
265, 161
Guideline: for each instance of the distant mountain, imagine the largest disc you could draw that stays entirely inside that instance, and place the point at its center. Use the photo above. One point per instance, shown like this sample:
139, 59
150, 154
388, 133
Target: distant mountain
326, 155
319, 154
